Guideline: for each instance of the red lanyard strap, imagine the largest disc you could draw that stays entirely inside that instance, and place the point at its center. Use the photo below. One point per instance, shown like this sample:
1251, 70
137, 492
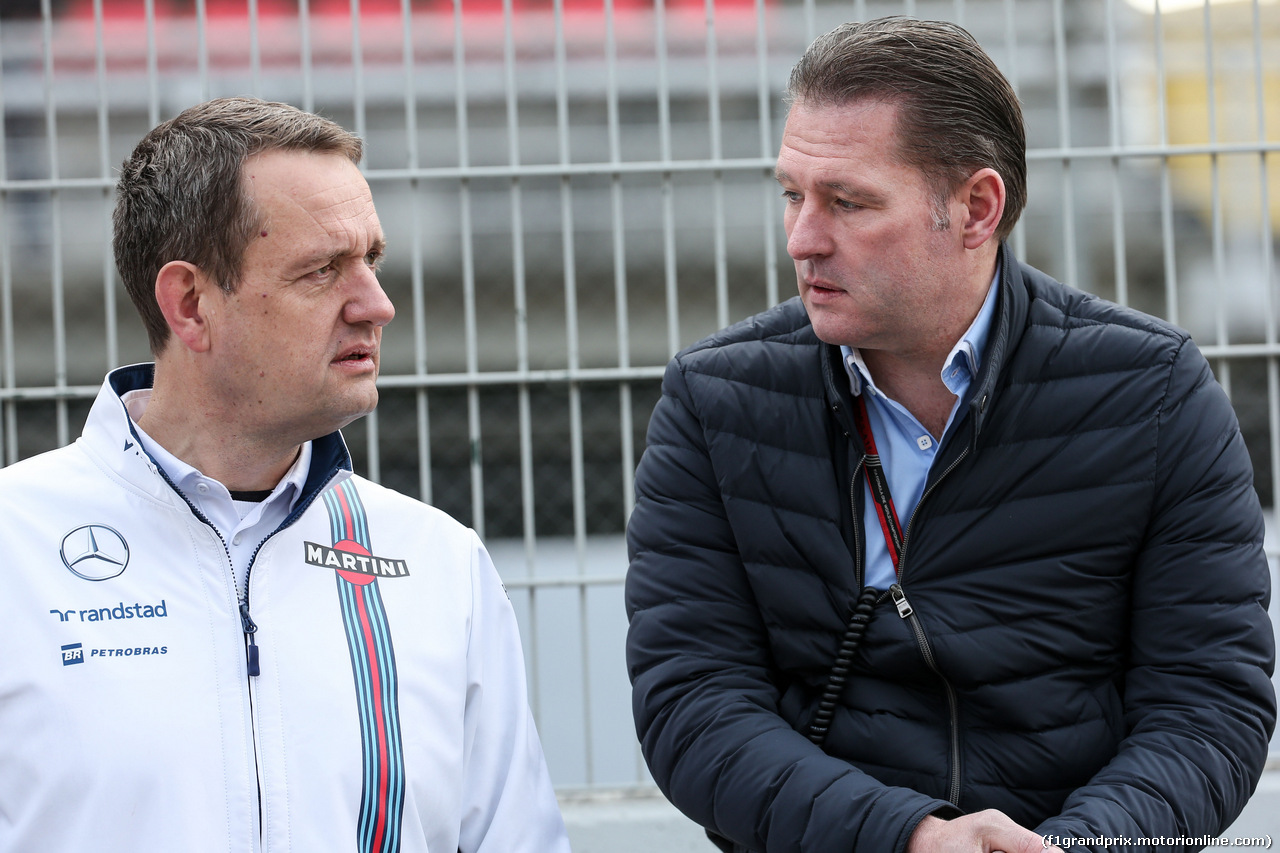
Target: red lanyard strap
879, 483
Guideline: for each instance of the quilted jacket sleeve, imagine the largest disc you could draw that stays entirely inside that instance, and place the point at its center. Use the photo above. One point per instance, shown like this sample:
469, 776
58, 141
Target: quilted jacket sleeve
705, 695
1199, 702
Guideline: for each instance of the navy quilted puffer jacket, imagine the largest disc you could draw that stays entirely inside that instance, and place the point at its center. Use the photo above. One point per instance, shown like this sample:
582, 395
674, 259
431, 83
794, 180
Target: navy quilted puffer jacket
1087, 650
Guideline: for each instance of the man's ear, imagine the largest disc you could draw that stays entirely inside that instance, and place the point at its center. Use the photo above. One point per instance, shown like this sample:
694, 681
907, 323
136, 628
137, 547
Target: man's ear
983, 198
184, 294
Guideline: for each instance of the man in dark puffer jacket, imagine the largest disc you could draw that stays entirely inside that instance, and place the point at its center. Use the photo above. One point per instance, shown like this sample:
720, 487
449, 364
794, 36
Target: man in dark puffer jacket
1072, 646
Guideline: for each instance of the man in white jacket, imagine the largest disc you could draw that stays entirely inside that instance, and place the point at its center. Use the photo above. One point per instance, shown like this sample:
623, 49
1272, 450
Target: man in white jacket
219, 638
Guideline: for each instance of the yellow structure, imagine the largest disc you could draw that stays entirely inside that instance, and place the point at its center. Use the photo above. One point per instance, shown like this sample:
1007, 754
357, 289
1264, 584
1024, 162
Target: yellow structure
1218, 55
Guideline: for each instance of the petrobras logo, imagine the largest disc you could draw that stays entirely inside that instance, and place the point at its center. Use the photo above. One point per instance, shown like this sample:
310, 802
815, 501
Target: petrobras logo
72, 653
76, 653
95, 552
129, 651
353, 561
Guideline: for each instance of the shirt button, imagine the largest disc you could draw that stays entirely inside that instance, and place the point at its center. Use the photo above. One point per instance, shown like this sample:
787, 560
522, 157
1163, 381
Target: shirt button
202, 488
235, 541
925, 442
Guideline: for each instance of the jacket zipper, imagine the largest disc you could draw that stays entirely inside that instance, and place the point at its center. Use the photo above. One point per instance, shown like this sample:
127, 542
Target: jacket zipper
253, 666
250, 628
953, 712
247, 625
242, 599
907, 613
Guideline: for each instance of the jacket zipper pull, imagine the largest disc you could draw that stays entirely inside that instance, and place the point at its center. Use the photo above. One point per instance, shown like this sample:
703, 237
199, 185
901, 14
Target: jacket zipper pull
900, 601
250, 628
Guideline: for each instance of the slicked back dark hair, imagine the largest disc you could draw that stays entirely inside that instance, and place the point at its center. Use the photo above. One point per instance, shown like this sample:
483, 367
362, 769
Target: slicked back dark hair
956, 112
181, 197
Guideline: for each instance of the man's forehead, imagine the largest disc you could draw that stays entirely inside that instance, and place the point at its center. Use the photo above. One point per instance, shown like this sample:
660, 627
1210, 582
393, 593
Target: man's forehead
304, 178
296, 185
310, 209
822, 142
857, 116
861, 102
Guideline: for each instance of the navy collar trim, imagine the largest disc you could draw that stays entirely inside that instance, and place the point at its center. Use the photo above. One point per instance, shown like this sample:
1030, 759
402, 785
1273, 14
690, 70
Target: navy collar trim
329, 453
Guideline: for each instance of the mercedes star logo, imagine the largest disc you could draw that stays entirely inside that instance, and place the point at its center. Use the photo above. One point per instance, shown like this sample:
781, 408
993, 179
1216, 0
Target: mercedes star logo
95, 552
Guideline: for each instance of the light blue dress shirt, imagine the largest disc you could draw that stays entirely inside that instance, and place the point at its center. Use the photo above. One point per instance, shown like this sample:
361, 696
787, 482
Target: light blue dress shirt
906, 448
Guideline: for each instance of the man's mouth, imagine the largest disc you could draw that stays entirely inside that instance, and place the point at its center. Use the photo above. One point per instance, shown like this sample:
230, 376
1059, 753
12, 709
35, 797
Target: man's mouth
822, 285
811, 278
357, 355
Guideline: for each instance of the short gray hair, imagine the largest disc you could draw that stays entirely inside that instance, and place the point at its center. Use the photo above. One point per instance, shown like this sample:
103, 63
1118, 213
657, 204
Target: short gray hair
180, 196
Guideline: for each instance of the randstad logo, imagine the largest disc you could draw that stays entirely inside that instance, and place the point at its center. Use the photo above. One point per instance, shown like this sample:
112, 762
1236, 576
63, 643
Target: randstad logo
120, 611
95, 552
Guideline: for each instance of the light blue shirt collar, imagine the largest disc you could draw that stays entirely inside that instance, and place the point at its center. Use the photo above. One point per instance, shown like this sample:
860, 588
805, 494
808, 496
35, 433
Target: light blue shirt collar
907, 451
961, 364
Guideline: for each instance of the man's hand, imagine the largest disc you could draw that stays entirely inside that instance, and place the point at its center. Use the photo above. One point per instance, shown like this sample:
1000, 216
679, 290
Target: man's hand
983, 832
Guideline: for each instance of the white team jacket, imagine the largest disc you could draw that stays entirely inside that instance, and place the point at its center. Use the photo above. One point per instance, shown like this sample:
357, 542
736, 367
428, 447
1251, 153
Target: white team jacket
389, 713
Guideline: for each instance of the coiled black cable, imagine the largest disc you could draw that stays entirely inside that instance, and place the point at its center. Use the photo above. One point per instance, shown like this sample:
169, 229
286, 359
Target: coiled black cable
862, 612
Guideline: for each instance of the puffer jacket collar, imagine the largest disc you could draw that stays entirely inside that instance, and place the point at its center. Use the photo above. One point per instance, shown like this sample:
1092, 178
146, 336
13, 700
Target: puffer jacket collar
1008, 325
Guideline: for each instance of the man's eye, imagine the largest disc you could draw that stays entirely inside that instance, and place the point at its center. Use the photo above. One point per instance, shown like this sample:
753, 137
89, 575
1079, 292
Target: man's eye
373, 260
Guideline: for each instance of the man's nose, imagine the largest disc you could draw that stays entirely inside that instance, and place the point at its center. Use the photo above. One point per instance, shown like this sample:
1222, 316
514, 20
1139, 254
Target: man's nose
369, 303
808, 234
